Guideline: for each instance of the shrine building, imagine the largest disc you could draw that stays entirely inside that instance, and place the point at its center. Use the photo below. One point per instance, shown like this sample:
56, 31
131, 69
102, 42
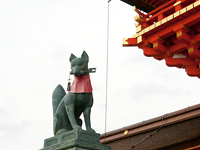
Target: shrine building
165, 30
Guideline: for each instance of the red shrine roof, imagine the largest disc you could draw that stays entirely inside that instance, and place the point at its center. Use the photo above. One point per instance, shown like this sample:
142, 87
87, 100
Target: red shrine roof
146, 5
170, 32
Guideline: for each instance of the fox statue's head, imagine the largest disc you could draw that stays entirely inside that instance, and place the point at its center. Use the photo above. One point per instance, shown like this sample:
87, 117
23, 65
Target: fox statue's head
79, 66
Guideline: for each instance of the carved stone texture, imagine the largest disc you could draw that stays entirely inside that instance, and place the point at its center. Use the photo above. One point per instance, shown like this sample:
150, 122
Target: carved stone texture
76, 139
68, 107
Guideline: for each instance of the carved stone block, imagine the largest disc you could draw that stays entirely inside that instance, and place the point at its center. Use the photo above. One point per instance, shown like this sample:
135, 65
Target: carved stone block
75, 140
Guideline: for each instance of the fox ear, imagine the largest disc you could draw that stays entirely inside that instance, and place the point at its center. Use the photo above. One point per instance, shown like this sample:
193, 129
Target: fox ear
85, 56
72, 57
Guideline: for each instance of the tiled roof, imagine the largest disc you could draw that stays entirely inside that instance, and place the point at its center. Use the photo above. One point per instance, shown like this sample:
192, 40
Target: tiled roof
166, 120
146, 5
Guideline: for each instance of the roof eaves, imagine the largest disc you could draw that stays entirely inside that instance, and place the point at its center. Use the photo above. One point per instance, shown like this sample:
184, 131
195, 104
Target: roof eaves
151, 124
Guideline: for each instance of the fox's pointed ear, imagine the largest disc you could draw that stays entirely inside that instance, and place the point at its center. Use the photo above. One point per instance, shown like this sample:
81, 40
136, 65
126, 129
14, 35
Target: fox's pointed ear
72, 57
85, 56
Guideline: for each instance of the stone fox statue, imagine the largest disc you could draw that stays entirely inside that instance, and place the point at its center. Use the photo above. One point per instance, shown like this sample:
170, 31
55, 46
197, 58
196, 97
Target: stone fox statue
67, 108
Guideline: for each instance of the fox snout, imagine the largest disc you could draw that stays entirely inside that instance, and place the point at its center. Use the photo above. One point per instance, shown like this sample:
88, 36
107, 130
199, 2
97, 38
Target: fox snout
77, 70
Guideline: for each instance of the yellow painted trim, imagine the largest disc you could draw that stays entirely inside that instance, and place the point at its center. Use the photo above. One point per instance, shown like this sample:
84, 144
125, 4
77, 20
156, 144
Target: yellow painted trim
164, 20
158, 23
170, 17
183, 10
189, 7
176, 14
124, 41
197, 3
135, 35
136, 24
152, 26
146, 29
142, 32
138, 18
138, 29
139, 39
175, 4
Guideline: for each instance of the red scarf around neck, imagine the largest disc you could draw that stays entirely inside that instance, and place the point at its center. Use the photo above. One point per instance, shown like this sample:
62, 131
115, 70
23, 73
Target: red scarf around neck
81, 84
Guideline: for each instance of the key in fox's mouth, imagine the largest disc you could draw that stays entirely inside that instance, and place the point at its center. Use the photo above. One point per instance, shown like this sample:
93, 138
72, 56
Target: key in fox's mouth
81, 72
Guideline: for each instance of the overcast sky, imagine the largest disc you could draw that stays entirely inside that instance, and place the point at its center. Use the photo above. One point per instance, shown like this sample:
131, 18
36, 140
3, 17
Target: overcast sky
36, 40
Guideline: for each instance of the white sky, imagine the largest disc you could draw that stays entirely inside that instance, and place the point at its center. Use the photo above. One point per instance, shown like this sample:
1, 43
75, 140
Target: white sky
36, 40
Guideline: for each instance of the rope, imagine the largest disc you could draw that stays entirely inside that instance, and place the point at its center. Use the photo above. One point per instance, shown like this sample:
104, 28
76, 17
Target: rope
107, 70
150, 134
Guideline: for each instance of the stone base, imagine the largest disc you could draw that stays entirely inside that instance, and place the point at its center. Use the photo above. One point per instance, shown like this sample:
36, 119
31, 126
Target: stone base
75, 140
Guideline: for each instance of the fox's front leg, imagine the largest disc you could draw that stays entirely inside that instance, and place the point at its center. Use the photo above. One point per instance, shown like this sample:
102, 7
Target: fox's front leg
86, 114
69, 106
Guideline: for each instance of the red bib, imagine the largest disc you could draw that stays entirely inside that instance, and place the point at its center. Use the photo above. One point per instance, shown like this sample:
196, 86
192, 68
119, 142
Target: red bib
81, 84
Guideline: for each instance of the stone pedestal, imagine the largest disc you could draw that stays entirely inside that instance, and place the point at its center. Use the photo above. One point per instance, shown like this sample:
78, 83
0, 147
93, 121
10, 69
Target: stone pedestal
75, 140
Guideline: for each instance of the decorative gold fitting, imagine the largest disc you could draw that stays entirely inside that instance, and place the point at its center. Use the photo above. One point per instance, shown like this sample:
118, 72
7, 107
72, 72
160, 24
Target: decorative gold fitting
148, 43
197, 60
170, 53
126, 132
186, 27
190, 50
179, 34
195, 42
161, 38
155, 44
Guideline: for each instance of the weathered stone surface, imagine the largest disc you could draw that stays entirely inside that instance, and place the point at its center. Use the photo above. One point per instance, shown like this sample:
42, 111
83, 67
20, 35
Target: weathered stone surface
68, 107
75, 140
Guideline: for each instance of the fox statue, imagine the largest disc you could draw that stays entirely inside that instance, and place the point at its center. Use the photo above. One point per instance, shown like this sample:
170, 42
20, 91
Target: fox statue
68, 107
